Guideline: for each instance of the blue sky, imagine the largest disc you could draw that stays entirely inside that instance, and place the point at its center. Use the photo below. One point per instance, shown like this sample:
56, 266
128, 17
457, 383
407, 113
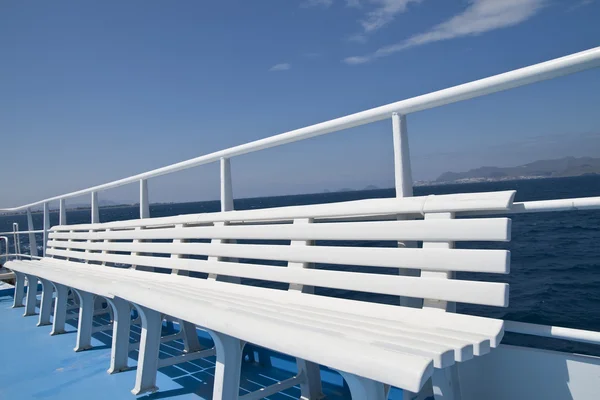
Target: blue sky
95, 91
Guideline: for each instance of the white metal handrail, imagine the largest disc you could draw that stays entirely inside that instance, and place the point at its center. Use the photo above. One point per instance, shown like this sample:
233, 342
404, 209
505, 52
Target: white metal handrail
21, 232
556, 332
580, 203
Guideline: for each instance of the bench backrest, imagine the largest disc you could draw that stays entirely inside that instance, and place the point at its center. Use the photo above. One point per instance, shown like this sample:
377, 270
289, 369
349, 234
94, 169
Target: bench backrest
313, 246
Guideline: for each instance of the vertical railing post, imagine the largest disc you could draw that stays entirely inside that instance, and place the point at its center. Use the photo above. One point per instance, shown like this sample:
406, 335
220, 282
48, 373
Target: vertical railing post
226, 185
62, 212
46, 224
32, 242
226, 205
144, 201
95, 212
404, 185
16, 240
402, 169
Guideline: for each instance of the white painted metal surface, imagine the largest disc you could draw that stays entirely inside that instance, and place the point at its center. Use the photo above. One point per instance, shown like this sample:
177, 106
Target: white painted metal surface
558, 332
46, 226
410, 341
144, 199
32, 241
62, 212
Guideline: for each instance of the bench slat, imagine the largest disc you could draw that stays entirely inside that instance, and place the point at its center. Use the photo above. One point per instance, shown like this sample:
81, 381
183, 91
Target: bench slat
484, 229
491, 261
485, 293
389, 315
496, 201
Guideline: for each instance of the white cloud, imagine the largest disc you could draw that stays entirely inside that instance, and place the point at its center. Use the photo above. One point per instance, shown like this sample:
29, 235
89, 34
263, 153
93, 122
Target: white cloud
353, 3
384, 13
479, 17
580, 4
316, 3
281, 67
358, 38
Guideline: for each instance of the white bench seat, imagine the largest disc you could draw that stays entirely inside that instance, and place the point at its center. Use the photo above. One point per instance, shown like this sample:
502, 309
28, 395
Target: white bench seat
388, 344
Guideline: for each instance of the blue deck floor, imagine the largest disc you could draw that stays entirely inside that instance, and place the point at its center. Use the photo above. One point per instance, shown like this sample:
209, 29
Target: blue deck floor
35, 365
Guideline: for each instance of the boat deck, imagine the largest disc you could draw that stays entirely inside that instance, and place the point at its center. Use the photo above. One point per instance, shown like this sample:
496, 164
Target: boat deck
36, 365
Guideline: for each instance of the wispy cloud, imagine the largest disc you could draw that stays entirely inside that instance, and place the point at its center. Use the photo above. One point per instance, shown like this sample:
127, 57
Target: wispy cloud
479, 17
281, 67
353, 3
580, 4
358, 38
385, 11
316, 3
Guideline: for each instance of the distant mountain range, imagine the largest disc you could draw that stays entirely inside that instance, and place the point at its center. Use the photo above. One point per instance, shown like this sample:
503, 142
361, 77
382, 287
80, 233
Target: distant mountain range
562, 167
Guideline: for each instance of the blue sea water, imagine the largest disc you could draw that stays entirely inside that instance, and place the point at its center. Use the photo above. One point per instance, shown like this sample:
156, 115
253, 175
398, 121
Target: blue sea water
555, 268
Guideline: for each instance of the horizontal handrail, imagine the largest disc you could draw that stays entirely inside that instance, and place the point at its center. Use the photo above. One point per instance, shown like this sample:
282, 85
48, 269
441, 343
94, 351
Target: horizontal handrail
580, 203
557, 332
546, 70
21, 232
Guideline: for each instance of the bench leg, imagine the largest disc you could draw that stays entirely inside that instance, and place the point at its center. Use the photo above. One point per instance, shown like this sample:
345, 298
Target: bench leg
228, 366
311, 388
60, 309
120, 338
145, 379
31, 298
363, 388
86, 319
190, 336
19, 289
446, 384
46, 304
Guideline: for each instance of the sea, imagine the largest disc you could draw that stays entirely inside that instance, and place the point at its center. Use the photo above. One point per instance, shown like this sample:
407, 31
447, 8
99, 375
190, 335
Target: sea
555, 256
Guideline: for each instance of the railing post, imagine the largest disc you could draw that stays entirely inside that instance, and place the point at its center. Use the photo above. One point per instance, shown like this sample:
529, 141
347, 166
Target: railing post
95, 212
144, 201
32, 242
226, 185
226, 205
46, 224
16, 240
404, 185
402, 169
62, 215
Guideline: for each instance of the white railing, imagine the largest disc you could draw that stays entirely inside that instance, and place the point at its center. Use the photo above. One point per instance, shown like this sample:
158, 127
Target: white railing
556, 332
403, 180
396, 111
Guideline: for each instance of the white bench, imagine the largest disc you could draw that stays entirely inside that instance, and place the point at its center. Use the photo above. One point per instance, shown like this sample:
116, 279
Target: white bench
372, 345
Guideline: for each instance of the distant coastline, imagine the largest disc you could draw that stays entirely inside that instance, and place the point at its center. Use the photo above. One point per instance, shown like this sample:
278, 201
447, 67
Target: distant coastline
557, 168
585, 166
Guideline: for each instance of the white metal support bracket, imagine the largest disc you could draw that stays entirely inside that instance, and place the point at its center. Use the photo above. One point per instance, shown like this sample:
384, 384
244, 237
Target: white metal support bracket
145, 378
190, 336
86, 319
228, 367
364, 389
46, 304
19, 289
120, 339
31, 298
60, 309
